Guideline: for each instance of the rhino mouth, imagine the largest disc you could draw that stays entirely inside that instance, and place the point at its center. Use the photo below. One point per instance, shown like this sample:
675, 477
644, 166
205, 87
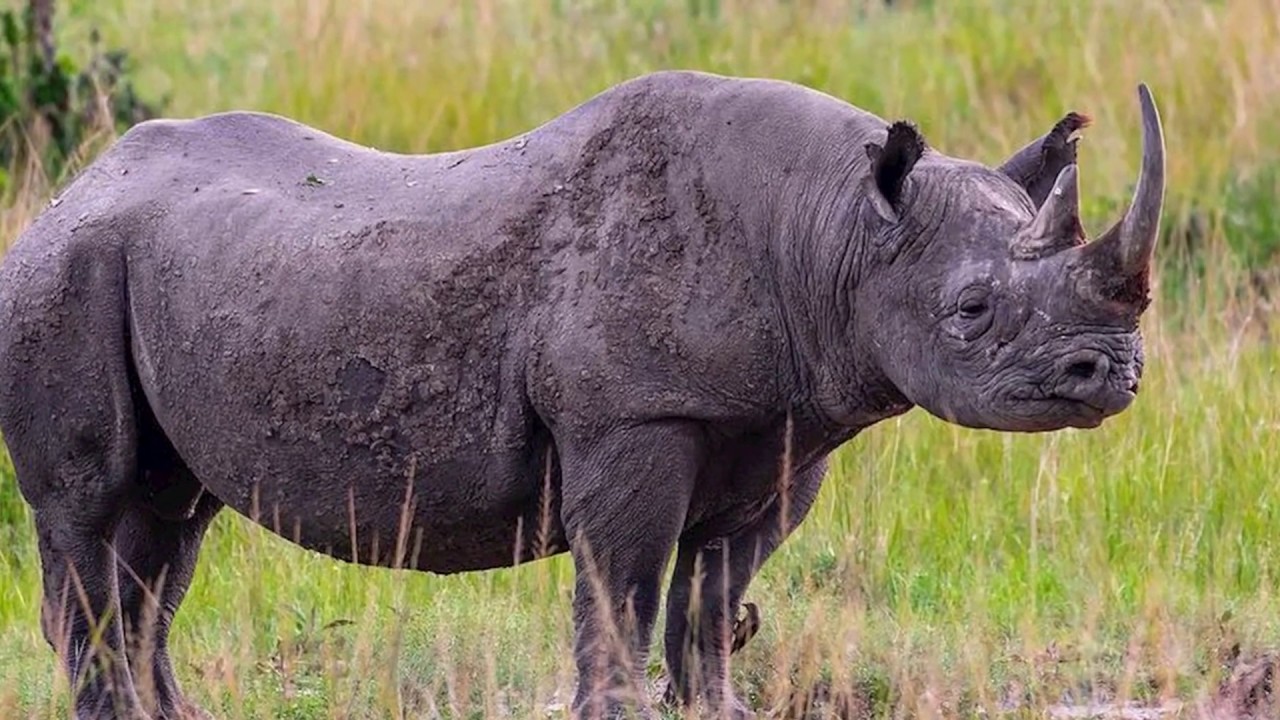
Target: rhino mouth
1091, 412
1085, 414
1051, 411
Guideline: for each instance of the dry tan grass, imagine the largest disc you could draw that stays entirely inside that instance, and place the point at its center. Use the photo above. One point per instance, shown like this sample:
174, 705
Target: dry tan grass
944, 572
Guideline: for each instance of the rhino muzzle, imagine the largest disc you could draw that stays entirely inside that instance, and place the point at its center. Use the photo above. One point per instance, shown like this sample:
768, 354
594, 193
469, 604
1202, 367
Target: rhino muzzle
1093, 379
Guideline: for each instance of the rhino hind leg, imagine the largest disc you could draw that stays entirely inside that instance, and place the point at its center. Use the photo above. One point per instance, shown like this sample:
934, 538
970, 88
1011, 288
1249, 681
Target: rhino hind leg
624, 502
80, 616
67, 415
157, 543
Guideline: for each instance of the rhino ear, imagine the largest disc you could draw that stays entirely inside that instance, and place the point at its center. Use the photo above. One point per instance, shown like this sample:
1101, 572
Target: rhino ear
1037, 165
890, 165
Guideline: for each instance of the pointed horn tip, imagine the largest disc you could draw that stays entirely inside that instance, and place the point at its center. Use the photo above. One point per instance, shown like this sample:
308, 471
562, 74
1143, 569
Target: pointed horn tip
1067, 177
1152, 126
1148, 103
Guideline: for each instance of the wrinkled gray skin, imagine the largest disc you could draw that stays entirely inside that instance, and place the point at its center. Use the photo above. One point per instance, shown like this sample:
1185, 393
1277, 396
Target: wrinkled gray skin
598, 337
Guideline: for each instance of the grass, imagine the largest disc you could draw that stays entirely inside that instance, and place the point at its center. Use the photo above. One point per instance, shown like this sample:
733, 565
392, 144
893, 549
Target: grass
944, 570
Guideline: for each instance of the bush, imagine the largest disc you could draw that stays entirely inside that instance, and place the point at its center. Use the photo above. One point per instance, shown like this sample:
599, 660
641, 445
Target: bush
49, 106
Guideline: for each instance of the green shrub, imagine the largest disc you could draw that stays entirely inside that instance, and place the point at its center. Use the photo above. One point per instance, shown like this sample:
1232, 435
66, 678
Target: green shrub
51, 105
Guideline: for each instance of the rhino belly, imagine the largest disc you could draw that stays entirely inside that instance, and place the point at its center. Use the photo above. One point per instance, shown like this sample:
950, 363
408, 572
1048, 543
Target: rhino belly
369, 492
470, 513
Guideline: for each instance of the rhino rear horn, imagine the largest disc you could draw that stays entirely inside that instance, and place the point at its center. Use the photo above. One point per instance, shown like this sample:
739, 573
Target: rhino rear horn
891, 163
1057, 224
1124, 251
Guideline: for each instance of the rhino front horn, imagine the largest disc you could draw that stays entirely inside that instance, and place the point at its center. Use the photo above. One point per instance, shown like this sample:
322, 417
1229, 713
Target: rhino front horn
1127, 247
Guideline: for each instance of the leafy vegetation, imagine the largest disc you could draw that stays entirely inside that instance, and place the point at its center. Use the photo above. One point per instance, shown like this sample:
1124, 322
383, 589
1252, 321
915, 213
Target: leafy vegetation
944, 571
52, 107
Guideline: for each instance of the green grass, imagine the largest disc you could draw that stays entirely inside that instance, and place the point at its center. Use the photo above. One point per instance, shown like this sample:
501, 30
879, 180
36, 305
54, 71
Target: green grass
943, 569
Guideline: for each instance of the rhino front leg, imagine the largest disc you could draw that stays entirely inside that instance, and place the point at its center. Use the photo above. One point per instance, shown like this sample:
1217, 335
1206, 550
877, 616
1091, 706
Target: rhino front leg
708, 583
625, 497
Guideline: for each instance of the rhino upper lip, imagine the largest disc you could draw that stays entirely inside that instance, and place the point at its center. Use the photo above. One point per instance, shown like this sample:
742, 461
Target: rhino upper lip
1039, 394
1097, 409
1073, 401
1094, 411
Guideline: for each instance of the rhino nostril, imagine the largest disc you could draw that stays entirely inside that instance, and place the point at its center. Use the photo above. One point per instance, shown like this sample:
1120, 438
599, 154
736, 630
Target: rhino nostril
1082, 369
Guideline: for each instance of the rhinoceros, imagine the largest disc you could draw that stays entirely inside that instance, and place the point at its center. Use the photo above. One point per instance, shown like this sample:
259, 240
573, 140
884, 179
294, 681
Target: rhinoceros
634, 332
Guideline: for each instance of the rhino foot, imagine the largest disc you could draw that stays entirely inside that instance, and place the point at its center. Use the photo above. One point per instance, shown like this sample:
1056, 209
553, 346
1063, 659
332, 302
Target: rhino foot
187, 710
744, 629
730, 707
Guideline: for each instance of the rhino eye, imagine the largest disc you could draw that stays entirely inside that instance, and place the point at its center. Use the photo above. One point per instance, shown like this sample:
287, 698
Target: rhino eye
972, 308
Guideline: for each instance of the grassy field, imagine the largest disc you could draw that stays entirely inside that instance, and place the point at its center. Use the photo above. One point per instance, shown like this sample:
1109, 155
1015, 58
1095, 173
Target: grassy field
945, 572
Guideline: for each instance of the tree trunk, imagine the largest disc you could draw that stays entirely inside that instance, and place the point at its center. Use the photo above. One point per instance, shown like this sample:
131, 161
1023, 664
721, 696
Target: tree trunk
42, 22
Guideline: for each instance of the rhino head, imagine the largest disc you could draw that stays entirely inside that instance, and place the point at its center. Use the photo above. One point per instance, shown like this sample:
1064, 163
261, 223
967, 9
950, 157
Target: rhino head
993, 310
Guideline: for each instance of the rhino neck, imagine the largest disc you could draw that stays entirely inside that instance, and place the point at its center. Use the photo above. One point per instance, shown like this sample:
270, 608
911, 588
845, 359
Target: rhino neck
816, 248
785, 163
825, 261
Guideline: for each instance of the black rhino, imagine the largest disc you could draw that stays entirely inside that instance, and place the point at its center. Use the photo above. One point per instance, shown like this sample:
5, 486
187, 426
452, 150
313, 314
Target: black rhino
599, 337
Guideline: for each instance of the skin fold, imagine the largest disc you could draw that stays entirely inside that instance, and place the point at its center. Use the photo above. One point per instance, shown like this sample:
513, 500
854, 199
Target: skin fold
632, 333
